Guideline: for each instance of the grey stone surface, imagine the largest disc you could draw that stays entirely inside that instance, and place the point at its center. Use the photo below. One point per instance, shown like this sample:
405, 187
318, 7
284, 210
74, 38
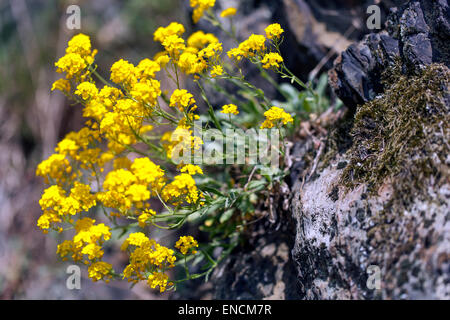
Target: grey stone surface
336, 235
418, 33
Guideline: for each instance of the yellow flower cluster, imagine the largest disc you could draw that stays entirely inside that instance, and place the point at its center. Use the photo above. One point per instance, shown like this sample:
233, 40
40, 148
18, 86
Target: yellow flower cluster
86, 90
147, 256
199, 40
56, 167
145, 216
158, 279
79, 55
61, 85
185, 243
173, 28
271, 60
229, 12
100, 270
181, 99
200, 6
191, 169
117, 117
253, 46
230, 109
127, 188
194, 56
216, 71
87, 245
107, 163
275, 116
182, 188
123, 72
274, 31
56, 206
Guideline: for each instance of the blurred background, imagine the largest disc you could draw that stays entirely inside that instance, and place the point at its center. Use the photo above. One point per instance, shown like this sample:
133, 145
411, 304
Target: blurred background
33, 35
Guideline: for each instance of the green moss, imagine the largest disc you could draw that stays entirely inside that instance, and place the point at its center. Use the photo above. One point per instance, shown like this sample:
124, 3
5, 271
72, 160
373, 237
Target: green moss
339, 139
403, 134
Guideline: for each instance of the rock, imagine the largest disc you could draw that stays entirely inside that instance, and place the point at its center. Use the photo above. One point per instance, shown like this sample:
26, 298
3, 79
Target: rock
384, 212
339, 240
417, 34
262, 269
313, 29
371, 220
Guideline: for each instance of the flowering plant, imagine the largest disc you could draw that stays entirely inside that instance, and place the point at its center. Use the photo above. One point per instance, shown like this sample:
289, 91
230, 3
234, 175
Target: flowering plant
125, 162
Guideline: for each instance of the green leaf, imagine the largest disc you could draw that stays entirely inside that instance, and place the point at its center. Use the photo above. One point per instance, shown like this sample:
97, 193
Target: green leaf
212, 190
256, 183
212, 114
226, 215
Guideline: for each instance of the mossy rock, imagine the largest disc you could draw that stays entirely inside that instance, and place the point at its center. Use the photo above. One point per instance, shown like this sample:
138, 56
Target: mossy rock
403, 134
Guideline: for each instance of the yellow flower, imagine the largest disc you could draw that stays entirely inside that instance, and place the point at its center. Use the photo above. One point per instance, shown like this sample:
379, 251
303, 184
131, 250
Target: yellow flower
181, 99
143, 218
173, 28
78, 56
199, 40
86, 90
145, 255
61, 85
162, 59
185, 243
108, 96
93, 251
271, 60
216, 71
136, 239
200, 6
174, 45
274, 31
48, 219
138, 192
191, 169
72, 64
158, 279
180, 137
182, 188
123, 72
228, 12
148, 173
190, 63
80, 44
100, 270
254, 45
87, 241
212, 51
147, 69
116, 184
274, 116
67, 147
230, 109
56, 167
146, 91
235, 53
